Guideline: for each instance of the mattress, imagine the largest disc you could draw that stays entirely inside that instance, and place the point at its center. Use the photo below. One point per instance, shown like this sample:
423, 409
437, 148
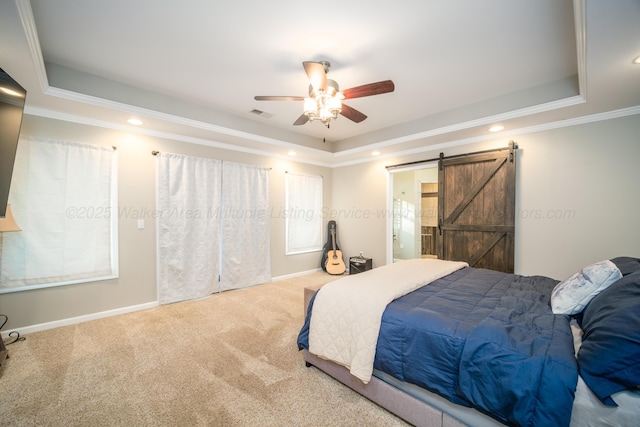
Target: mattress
587, 408
491, 339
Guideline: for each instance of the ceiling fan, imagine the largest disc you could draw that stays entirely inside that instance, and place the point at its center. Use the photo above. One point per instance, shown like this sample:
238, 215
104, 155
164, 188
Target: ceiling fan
324, 102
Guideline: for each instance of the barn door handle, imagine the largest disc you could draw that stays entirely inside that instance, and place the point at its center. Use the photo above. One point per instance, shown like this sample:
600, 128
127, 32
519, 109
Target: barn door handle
440, 226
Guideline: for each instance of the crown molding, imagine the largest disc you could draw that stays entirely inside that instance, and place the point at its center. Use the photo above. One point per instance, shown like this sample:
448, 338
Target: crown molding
73, 118
31, 34
483, 121
580, 19
321, 158
510, 134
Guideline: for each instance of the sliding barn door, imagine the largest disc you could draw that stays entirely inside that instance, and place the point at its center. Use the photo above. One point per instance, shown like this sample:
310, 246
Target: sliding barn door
476, 209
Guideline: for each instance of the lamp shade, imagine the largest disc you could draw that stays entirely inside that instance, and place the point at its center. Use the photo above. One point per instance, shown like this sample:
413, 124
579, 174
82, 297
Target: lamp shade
310, 106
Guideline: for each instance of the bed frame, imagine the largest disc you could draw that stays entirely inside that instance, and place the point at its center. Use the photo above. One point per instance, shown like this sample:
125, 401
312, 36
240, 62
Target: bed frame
413, 404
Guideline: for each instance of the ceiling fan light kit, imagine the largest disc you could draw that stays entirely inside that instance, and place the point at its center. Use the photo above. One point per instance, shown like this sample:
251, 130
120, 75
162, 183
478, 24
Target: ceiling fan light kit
324, 105
324, 102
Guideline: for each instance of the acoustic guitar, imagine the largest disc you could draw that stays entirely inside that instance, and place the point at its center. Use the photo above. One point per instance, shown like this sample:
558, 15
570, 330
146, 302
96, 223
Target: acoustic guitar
335, 263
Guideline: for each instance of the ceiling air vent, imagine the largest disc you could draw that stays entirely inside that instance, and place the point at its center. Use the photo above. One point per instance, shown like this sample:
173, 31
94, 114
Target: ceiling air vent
261, 113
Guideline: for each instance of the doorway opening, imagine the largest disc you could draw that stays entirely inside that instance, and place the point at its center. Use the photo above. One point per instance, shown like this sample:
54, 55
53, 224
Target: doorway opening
413, 203
475, 222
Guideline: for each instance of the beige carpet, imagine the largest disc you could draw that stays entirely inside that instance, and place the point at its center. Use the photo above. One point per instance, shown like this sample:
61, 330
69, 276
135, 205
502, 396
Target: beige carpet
227, 360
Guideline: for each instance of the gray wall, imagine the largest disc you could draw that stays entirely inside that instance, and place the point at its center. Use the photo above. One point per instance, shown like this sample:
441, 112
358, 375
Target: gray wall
578, 197
136, 284
577, 203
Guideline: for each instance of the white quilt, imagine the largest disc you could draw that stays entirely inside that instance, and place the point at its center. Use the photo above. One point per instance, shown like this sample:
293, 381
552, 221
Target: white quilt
346, 315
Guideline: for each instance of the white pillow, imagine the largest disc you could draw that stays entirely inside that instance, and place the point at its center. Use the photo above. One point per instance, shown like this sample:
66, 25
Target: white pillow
573, 294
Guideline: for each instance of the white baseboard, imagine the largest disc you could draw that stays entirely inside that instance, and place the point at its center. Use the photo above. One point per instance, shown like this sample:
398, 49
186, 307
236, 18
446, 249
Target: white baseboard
298, 274
79, 319
93, 316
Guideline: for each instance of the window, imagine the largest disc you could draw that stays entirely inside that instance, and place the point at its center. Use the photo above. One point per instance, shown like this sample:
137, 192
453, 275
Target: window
303, 219
64, 198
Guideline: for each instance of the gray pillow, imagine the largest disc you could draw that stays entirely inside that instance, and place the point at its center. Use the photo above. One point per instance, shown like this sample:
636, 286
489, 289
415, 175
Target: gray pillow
573, 294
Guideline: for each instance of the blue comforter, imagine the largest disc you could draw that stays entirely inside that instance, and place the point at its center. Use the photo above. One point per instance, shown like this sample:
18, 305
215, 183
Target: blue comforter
483, 339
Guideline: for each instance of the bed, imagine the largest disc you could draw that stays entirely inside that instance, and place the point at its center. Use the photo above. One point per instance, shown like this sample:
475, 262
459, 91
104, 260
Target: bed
439, 343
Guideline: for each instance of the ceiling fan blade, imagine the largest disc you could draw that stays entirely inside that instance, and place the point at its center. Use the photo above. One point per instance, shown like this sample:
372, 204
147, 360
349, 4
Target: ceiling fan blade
317, 74
301, 120
369, 89
279, 98
352, 114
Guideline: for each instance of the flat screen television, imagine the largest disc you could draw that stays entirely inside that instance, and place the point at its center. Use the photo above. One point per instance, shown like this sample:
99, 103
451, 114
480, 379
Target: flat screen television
12, 98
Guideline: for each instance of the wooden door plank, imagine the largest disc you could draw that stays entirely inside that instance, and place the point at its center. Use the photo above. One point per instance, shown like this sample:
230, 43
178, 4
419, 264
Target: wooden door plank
476, 209
489, 244
473, 192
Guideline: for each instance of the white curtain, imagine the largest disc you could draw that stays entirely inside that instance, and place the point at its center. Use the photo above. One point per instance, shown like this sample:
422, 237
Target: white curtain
189, 193
303, 205
245, 223
63, 197
213, 227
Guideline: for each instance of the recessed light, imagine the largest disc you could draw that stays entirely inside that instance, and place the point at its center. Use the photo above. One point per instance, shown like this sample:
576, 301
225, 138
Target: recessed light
496, 128
636, 60
375, 153
135, 122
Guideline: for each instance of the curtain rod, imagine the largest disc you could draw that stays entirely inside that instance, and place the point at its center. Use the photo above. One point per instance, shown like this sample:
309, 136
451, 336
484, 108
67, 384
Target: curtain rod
155, 153
307, 174
442, 156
